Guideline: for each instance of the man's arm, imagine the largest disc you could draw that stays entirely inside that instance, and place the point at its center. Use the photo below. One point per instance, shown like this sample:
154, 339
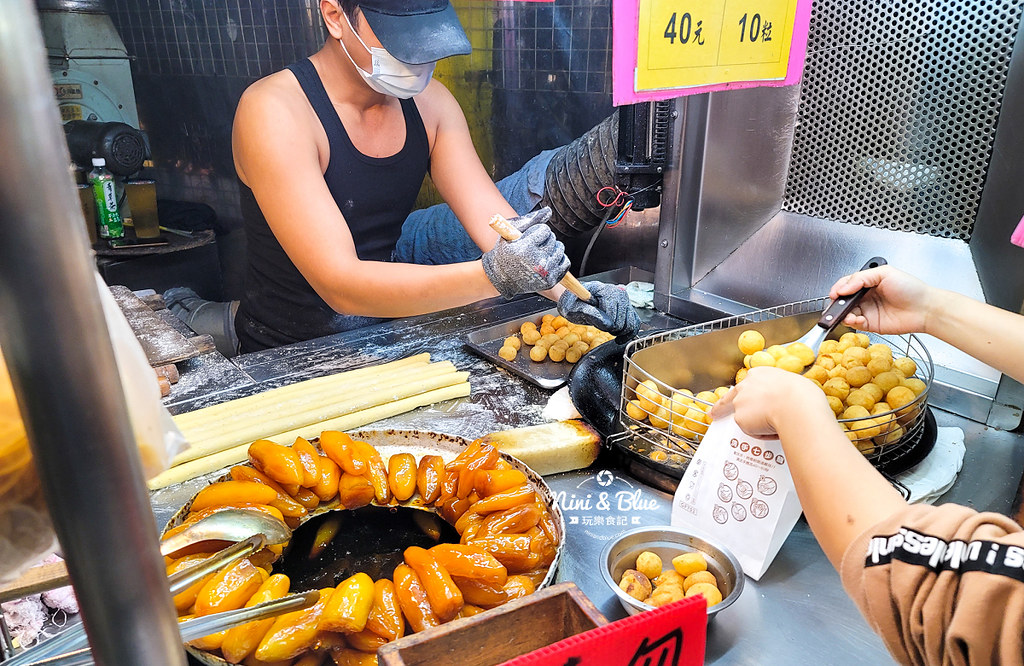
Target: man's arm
458, 174
456, 169
467, 187
276, 155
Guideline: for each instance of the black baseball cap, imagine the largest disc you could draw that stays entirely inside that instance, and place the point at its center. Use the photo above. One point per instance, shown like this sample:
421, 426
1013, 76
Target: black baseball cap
416, 31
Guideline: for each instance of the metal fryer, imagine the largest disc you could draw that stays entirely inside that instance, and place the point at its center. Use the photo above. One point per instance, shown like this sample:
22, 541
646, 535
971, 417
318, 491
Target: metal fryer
704, 356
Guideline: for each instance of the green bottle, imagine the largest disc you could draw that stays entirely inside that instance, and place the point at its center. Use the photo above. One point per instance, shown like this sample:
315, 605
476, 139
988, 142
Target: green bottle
105, 194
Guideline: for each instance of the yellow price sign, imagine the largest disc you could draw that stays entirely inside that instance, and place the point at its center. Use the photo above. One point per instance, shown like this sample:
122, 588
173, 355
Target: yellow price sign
681, 35
697, 43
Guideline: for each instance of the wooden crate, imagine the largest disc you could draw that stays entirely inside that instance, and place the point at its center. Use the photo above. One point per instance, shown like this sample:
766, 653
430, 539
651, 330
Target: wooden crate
500, 634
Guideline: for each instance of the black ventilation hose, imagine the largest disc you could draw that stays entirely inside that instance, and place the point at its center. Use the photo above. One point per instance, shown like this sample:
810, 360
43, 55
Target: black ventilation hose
576, 173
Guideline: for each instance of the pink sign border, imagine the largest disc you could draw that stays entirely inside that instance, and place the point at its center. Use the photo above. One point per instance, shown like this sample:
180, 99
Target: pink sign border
625, 41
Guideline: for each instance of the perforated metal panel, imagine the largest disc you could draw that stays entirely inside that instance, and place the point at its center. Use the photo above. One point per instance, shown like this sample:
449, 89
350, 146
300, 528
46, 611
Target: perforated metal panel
898, 112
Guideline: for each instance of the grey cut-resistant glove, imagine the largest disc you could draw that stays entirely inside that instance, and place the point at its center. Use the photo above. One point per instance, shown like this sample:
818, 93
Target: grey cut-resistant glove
533, 262
608, 309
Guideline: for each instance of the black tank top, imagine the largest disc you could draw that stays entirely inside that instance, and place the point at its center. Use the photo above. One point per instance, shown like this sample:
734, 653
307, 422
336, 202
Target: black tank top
374, 194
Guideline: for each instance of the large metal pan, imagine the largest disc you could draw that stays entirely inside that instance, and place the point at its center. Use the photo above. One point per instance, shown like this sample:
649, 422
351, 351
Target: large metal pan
418, 443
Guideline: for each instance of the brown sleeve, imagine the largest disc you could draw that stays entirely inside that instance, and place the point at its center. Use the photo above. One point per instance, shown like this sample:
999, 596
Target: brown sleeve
942, 585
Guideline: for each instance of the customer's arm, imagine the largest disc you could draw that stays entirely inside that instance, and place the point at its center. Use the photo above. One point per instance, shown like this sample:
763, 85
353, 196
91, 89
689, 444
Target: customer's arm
841, 493
940, 585
899, 303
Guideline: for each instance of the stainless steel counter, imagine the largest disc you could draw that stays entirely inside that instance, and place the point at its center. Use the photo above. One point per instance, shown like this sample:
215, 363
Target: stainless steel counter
797, 613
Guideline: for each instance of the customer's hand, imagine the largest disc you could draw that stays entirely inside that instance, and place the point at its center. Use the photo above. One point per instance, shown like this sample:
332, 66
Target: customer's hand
769, 399
533, 262
898, 303
609, 309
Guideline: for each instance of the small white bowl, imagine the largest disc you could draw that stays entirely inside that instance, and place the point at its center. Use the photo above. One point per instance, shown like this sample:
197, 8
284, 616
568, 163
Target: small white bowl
667, 542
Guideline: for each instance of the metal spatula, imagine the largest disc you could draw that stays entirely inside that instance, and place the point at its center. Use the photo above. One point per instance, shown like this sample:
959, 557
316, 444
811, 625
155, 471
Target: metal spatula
836, 312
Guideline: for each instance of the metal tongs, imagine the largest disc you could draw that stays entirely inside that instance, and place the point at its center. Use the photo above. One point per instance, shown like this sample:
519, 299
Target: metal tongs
71, 649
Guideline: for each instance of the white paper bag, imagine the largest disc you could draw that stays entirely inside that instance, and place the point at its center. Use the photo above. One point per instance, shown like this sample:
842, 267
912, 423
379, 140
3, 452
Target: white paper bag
156, 434
738, 491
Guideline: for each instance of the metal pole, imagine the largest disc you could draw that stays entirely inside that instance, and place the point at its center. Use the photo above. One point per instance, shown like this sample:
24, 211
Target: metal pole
62, 365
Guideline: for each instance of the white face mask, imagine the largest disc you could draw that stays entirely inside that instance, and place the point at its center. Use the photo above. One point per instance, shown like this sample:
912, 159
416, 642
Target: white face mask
391, 76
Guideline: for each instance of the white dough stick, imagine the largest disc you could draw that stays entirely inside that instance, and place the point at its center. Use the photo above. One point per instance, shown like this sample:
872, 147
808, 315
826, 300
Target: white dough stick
359, 419
214, 413
258, 424
303, 408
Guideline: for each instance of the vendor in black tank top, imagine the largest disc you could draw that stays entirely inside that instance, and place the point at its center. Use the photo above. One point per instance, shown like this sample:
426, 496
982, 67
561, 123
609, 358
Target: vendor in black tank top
333, 151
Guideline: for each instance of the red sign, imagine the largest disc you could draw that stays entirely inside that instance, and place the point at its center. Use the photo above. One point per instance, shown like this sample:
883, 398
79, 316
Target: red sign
673, 635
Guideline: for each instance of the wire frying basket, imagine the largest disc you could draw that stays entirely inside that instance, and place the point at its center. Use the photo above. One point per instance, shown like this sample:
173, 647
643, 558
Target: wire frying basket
668, 391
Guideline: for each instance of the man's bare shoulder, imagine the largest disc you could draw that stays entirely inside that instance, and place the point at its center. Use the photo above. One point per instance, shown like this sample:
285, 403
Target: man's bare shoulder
437, 103
277, 92
273, 121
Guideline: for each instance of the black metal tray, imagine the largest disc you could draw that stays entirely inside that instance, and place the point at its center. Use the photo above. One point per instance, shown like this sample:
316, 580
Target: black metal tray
487, 341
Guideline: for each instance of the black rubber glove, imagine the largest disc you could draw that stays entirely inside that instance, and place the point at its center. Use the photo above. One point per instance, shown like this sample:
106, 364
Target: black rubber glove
609, 309
533, 262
